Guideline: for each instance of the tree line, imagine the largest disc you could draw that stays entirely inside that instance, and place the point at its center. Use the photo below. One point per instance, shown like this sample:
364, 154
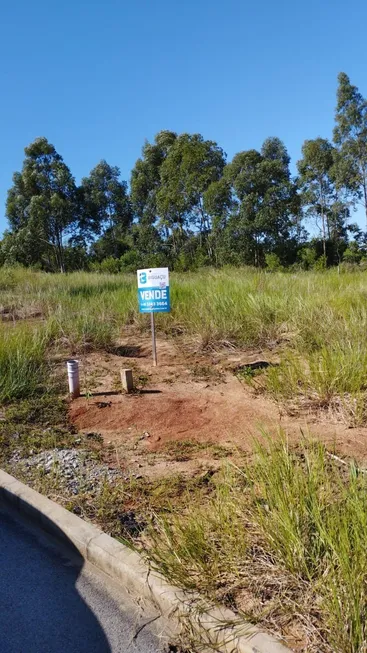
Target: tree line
186, 206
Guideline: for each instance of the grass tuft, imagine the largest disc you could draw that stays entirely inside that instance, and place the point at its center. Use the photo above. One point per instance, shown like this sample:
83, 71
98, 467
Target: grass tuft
23, 371
288, 530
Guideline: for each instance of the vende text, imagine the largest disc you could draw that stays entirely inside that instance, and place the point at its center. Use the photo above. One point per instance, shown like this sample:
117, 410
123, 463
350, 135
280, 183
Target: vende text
147, 295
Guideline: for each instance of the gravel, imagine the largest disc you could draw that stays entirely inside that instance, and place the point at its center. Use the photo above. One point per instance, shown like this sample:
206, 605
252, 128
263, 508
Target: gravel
75, 469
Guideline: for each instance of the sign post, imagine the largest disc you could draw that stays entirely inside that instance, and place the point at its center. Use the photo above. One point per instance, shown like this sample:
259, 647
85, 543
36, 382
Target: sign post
153, 294
154, 345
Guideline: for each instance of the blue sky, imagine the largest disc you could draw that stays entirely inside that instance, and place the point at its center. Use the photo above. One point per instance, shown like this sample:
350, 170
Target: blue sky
98, 77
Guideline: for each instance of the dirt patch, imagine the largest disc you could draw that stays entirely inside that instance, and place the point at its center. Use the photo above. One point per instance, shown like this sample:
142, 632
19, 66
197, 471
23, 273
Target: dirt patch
195, 397
192, 411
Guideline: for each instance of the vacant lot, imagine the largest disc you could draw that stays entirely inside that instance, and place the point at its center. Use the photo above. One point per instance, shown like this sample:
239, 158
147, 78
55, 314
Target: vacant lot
276, 530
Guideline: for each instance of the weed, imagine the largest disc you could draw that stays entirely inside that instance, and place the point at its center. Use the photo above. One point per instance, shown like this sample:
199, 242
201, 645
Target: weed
206, 373
31, 426
23, 371
46, 411
142, 380
183, 450
205, 542
248, 375
289, 530
123, 507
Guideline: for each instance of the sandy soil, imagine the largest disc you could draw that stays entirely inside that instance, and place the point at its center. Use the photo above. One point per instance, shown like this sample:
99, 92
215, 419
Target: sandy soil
191, 397
190, 414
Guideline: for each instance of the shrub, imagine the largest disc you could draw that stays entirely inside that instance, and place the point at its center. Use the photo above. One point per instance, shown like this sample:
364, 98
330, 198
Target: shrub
273, 262
110, 265
352, 254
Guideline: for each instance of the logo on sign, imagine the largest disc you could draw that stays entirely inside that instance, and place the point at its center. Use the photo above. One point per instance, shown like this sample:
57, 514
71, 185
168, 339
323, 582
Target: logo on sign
143, 277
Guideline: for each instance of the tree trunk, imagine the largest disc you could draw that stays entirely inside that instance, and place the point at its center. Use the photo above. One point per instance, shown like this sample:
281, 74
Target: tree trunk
60, 252
365, 199
256, 253
323, 234
323, 219
61, 259
113, 231
174, 242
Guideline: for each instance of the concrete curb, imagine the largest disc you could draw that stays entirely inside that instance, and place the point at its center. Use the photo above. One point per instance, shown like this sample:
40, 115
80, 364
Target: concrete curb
220, 628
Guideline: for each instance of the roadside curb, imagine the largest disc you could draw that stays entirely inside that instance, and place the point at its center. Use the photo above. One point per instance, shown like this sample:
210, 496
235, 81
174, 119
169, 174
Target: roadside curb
219, 628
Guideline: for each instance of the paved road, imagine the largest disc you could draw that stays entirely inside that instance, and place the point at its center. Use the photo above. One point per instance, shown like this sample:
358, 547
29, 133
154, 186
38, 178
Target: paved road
49, 604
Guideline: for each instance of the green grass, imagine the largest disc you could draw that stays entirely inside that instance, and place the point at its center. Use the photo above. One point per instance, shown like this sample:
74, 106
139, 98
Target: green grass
317, 321
83, 332
289, 530
29, 426
23, 370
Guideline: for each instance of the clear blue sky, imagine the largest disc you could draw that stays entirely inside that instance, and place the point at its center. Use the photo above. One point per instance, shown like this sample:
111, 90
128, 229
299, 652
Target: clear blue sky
98, 77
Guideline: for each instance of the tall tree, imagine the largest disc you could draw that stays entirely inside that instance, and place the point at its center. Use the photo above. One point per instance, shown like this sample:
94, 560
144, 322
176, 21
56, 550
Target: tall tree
260, 203
107, 207
144, 185
273, 149
146, 177
168, 186
316, 183
41, 205
350, 136
191, 166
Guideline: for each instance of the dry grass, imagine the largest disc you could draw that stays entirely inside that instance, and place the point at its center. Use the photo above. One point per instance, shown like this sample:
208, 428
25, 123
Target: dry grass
282, 540
317, 321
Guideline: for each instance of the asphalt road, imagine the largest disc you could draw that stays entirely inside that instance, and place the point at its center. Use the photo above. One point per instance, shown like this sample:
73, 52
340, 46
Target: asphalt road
55, 604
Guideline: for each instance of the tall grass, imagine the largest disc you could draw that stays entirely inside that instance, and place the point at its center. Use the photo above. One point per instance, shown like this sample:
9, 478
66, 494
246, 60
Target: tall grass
23, 370
84, 331
316, 321
289, 530
206, 541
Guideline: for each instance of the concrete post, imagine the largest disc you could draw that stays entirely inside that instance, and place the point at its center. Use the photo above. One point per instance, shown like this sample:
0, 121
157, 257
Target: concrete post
127, 380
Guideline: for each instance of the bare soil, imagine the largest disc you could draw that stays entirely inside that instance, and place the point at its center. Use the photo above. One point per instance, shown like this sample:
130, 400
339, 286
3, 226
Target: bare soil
188, 415
190, 397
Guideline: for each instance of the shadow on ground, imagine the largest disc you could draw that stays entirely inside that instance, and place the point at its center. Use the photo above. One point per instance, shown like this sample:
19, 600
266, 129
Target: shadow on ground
40, 607
128, 351
50, 603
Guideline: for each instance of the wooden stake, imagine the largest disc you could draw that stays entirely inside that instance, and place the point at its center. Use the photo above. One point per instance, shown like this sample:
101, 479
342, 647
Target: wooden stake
127, 380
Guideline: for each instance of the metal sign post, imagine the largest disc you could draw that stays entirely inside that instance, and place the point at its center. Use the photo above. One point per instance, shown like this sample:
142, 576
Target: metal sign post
154, 345
153, 295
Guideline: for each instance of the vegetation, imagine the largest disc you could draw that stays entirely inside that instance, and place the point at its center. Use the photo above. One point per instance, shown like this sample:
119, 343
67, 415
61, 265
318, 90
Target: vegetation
282, 536
22, 363
186, 206
317, 321
121, 506
289, 524
33, 425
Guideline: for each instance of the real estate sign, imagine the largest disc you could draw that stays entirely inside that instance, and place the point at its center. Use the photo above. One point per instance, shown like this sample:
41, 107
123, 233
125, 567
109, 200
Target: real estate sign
153, 290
